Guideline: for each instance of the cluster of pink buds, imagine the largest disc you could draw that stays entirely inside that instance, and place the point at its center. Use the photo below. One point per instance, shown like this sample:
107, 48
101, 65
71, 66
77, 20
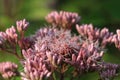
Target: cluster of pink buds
108, 71
39, 65
8, 39
52, 46
45, 32
11, 34
35, 69
116, 39
58, 41
63, 19
58, 47
22, 25
87, 59
88, 32
8, 69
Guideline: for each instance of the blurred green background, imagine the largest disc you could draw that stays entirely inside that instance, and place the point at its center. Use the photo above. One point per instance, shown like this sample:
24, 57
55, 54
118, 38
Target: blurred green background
101, 13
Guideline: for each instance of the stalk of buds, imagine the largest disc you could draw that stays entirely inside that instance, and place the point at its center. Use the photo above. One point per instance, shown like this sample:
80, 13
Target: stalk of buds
10, 39
22, 26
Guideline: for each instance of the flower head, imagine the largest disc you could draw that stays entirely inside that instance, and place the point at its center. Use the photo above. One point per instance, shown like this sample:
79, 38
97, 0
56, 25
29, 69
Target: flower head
108, 71
22, 25
8, 69
63, 19
94, 34
35, 67
11, 34
58, 41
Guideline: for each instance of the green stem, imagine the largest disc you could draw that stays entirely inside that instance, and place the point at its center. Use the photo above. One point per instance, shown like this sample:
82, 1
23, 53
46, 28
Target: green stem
54, 77
61, 76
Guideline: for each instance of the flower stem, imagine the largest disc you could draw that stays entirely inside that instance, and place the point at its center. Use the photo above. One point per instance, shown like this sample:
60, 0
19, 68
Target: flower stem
61, 76
54, 77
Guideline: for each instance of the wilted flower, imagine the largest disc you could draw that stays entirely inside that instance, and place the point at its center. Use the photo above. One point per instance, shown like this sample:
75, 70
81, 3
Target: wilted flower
63, 19
8, 69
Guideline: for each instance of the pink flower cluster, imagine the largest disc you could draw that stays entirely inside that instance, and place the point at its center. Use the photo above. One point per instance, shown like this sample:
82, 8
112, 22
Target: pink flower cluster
8, 69
53, 50
9, 34
35, 69
52, 46
63, 19
10, 39
103, 36
22, 25
108, 71
88, 31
